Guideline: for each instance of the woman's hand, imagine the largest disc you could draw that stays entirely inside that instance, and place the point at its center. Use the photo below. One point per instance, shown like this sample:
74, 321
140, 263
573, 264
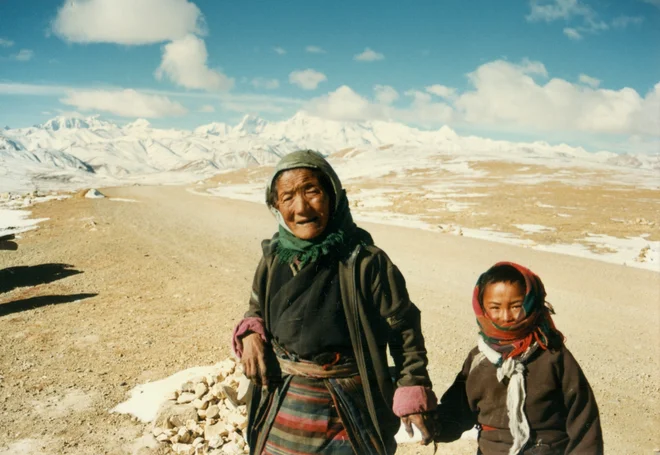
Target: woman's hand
424, 424
254, 360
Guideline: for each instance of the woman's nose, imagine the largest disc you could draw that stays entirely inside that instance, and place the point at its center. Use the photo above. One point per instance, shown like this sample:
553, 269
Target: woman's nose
299, 204
508, 315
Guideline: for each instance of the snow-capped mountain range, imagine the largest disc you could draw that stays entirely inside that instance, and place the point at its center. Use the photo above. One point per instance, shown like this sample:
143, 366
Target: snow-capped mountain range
69, 148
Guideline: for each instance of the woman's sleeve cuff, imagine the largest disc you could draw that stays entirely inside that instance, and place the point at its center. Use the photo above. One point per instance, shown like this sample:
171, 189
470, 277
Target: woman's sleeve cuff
245, 327
413, 400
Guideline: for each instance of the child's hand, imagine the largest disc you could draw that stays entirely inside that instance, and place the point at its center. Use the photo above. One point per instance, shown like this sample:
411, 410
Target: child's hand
424, 423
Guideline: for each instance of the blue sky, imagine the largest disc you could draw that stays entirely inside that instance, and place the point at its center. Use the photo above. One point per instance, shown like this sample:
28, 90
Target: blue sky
579, 71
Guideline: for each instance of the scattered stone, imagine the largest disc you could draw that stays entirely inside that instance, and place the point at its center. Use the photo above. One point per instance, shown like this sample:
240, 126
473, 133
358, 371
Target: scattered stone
162, 437
216, 442
243, 388
232, 395
231, 448
201, 389
183, 449
218, 429
170, 411
218, 391
200, 404
185, 397
212, 412
188, 387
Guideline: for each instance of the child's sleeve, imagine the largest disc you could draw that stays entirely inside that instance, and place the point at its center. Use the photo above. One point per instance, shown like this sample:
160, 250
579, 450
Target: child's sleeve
454, 415
582, 416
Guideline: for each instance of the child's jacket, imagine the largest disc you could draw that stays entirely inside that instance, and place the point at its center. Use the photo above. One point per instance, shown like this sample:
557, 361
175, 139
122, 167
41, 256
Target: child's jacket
560, 406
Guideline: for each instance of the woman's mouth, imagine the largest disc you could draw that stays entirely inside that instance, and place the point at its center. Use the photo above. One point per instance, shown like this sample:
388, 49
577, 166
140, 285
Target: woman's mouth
307, 221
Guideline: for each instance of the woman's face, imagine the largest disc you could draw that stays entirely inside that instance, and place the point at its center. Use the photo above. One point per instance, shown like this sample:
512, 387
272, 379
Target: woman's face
503, 302
303, 203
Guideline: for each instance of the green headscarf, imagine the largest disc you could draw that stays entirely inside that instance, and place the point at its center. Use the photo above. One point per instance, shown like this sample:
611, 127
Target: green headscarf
340, 234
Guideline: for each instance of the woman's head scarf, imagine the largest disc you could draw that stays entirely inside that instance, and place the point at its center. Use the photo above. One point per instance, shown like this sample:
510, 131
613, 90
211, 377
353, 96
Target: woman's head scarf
339, 235
534, 324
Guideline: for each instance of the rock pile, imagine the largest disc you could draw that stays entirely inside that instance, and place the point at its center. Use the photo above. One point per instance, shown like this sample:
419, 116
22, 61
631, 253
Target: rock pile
207, 415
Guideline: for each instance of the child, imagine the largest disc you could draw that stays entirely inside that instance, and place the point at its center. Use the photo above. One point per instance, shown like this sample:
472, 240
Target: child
520, 385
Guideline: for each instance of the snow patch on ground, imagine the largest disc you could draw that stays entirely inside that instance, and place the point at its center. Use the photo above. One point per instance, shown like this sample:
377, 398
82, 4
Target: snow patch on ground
496, 236
17, 221
250, 192
94, 194
534, 228
146, 399
635, 252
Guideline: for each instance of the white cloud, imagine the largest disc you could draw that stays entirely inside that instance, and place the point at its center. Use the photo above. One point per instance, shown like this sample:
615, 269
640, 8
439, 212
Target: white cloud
646, 120
507, 95
23, 55
653, 2
125, 103
268, 84
307, 79
184, 63
572, 34
207, 108
368, 56
442, 91
314, 50
551, 10
6, 42
625, 21
279, 50
385, 94
590, 81
345, 104
129, 22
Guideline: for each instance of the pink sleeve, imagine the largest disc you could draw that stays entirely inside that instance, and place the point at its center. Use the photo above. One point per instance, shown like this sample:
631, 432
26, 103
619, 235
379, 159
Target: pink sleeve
413, 400
244, 327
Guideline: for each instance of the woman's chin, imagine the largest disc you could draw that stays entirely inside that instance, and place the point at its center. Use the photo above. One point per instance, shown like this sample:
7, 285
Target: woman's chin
307, 232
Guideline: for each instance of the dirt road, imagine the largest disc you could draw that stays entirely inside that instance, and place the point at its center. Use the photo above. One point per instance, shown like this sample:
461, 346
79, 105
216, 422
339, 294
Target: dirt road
110, 294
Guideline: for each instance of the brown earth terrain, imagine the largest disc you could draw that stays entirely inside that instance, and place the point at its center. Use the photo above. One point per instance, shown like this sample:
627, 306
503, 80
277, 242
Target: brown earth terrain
108, 294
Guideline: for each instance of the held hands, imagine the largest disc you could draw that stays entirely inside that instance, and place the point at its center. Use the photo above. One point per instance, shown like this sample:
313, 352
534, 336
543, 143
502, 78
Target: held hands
424, 423
254, 359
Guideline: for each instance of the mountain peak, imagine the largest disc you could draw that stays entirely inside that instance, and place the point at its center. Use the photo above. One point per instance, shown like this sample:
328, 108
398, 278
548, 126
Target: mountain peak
251, 124
214, 128
139, 124
74, 121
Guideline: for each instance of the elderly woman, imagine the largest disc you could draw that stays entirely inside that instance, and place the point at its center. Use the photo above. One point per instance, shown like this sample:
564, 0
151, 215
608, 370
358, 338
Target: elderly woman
325, 306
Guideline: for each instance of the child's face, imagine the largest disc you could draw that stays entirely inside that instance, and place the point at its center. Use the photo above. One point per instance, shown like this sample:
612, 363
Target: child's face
503, 302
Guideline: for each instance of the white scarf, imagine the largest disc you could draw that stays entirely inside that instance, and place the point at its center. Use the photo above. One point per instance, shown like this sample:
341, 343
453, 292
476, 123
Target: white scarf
514, 369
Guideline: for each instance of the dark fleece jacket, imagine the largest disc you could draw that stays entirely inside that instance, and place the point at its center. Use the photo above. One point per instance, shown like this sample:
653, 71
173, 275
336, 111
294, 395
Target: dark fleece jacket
560, 406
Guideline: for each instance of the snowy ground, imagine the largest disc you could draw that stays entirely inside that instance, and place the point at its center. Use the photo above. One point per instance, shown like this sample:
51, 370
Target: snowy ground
386, 188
